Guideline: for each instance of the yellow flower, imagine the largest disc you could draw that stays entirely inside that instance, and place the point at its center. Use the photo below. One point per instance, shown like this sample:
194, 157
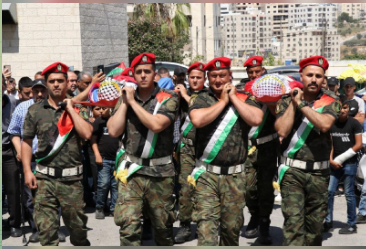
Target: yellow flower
122, 176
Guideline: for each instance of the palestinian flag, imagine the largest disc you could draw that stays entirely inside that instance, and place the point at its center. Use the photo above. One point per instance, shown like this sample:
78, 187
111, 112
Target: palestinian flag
117, 70
65, 126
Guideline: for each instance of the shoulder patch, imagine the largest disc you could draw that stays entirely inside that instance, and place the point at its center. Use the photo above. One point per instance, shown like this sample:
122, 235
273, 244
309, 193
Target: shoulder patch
337, 106
193, 99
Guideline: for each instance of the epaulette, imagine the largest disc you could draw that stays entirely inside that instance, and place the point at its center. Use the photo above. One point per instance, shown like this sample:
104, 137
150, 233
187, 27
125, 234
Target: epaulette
331, 94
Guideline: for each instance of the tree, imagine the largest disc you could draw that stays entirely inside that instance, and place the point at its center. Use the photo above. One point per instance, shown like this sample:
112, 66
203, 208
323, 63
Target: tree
197, 58
340, 25
345, 51
344, 17
359, 36
269, 60
170, 15
355, 57
147, 36
354, 50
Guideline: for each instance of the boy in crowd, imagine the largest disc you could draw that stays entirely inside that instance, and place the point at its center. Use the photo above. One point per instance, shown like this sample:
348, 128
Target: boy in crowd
105, 148
346, 135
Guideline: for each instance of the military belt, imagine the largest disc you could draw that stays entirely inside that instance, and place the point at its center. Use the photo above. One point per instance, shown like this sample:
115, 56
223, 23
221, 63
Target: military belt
306, 165
57, 172
262, 140
187, 141
149, 162
221, 170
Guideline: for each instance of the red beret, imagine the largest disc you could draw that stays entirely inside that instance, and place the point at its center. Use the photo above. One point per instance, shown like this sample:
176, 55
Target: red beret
128, 72
197, 65
218, 63
318, 60
56, 67
144, 58
253, 61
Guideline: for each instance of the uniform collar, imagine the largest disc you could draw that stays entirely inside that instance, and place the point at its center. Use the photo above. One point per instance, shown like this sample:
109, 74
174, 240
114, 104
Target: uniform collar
156, 91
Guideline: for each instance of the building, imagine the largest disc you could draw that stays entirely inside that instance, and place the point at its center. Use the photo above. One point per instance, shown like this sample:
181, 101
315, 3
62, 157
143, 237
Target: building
82, 35
312, 15
302, 43
279, 14
244, 7
225, 9
246, 34
356, 10
205, 32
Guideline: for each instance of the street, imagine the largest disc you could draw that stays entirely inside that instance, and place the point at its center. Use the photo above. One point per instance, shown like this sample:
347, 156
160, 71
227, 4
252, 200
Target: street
106, 233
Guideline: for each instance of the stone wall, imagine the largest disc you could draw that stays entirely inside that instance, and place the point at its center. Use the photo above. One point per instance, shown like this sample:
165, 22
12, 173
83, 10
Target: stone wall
103, 34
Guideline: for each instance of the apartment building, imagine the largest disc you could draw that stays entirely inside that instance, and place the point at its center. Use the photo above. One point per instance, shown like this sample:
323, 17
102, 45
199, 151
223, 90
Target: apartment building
356, 10
312, 15
301, 43
244, 7
247, 33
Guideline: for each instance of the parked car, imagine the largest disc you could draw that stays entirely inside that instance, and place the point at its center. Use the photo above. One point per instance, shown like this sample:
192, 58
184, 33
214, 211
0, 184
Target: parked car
292, 71
170, 66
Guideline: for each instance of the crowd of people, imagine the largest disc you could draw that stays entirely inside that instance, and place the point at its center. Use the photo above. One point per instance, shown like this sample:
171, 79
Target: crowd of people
212, 146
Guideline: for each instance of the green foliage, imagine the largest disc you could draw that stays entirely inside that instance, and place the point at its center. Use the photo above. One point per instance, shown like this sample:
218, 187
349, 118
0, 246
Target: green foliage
269, 60
147, 36
355, 42
197, 58
345, 51
355, 57
354, 50
359, 36
340, 25
171, 16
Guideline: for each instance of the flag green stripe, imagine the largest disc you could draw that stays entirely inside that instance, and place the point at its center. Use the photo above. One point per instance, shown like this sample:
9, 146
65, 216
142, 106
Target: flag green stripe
216, 148
187, 129
260, 127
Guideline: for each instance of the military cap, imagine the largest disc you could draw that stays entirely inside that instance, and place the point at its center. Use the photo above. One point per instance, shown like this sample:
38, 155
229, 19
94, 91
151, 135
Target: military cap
144, 58
253, 61
218, 63
56, 67
197, 66
318, 60
128, 72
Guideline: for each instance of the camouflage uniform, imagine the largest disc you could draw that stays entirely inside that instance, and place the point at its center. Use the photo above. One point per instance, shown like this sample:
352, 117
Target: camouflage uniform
152, 187
304, 193
52, 192
260, 168
220, 198
187, 162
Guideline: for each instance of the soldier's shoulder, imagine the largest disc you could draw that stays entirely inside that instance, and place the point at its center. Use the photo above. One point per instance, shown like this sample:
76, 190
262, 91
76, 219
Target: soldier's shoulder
286, 97
330, 94
172, 92
36, 106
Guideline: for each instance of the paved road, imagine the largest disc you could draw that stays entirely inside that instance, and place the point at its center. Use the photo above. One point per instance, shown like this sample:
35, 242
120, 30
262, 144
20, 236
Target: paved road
106, 233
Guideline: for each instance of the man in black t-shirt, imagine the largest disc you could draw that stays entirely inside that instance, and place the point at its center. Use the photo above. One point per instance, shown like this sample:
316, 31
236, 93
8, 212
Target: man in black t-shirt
346, 135
105, 148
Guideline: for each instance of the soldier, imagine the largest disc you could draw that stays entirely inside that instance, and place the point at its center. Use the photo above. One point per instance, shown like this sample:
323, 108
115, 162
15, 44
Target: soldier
59, 166
222, 117
303, 122
254, 70
261, 164
146, 172
196, 80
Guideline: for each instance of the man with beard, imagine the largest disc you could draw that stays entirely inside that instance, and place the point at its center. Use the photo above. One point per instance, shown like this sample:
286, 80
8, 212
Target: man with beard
196, 80
222, 117
58, 160
304, 118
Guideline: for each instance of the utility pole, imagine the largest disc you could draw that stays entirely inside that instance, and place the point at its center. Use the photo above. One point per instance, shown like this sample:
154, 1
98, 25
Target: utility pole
196, 40
281, 41
324, 38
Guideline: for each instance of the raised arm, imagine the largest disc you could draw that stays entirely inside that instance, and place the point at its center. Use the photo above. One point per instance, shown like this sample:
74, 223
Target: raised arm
155, 123
83, 128
117, 122
252, 115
